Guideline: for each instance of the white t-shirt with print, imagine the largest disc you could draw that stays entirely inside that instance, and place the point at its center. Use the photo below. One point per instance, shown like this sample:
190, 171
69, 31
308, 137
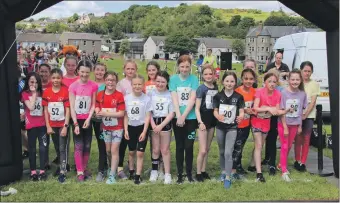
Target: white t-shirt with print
136, 108
162, 104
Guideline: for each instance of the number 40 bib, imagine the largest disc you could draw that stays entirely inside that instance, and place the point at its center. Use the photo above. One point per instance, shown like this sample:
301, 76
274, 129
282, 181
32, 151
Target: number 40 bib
229, 113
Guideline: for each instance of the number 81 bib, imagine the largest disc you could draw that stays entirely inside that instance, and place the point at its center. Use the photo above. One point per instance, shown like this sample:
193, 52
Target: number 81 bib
229, 113
56, 111
82, 104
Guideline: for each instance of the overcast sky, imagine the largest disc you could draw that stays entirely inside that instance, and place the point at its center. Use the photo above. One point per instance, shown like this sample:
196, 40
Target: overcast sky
99, 8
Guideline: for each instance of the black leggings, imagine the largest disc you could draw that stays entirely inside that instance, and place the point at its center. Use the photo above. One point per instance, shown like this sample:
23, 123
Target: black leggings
102, 165
271, 142
122, 149
61, 145
185, 138
33, 134
242, 136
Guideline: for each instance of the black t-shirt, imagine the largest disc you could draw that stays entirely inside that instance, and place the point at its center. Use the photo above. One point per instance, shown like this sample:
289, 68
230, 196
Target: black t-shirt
229, 106
282, 68
206, 94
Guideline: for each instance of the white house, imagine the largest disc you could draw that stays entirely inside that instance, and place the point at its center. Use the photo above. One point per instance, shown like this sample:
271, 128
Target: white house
136, 47
155, 45
38, 39
216, 45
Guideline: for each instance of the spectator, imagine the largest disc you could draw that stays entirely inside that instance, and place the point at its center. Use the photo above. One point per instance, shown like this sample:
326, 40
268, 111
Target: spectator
200, 60
282, 67
210, 59
52, 61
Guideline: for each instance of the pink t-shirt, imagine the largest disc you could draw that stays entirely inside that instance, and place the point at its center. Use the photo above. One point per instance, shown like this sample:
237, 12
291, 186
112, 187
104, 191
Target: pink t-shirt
33, 118
68, 81
124, 86
83, 94
262, 120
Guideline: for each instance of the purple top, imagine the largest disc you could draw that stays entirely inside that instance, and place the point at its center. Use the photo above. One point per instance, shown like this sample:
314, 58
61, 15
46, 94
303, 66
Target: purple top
297, 101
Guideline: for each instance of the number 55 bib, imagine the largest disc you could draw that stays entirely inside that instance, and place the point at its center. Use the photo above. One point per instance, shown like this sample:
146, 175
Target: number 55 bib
82, 104
160, 106
229, 113
183, 94
56, 111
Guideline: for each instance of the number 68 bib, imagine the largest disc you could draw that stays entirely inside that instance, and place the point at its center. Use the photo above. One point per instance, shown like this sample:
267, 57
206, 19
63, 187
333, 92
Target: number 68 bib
38, 110
293, 104
56, 111
229, 113
183, 95
82, 104
109, 121
134, 110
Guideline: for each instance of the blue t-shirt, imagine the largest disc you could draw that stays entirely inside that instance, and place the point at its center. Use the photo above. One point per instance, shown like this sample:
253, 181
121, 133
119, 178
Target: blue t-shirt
184, 89
21, 85
199, 62
101, 87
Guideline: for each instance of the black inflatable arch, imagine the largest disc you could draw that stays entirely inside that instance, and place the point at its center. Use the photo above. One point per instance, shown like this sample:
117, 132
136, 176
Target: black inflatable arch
324, 14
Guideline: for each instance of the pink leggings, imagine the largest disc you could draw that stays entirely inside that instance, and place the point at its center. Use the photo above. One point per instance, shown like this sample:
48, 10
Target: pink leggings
302, 141
286, 143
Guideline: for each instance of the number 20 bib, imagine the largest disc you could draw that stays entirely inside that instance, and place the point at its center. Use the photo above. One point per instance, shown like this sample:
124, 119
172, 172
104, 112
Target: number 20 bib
56, 111
38, 110
109, 121
229, 113
183, 95
82, 104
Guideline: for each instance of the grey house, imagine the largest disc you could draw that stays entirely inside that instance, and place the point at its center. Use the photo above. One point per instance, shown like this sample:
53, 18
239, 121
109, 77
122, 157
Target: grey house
216, 45
260, 40
38, 39
89, 42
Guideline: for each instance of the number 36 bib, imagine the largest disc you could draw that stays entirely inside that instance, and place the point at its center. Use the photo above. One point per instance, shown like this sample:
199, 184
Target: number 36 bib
183, 95
82, 104
229, 113
38, 110
109, 121
135, 109
56, 111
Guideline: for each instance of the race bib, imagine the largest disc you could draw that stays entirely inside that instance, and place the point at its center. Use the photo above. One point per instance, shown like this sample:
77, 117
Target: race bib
294, 104
183, 95
149, 88
134, 110
56, 111
209, 98
160, 106
247, 105
229, 113
82, 104
38, 109
109, 121
21, 106
264, 115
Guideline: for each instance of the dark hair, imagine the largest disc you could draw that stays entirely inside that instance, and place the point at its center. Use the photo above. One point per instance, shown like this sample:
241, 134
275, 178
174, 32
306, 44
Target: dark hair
306, 63
57, 71
111, 73
268, 75
85, 63
165, 75
209, 50
70, 57
183, 58
227, 73
296, 71
201, 56
100, 64
37, 77
153, 63
248, 71
46, 65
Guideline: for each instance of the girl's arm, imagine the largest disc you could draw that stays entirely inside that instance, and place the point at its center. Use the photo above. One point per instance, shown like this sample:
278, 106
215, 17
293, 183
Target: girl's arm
67, 116
72, 109
46, 117
31, 102
259, 109
175, 103
118, 114
93, 105
168, 119
191, 104
152, 122
197, 110
311, 105
126, 122
146, 122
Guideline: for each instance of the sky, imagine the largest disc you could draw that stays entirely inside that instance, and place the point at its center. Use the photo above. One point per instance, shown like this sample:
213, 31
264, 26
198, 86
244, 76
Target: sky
99, 8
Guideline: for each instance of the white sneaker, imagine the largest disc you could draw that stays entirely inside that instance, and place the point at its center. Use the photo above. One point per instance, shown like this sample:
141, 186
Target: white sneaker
167, 178
285, 177
160, 175
153, 176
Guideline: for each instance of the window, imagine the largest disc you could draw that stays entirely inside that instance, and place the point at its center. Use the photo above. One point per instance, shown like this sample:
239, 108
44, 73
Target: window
262, 48
267, 49
262, 39
160, 47
261, 58
92, 43
252, 39
258, 58
76, 42
84, 43
252, 49
249, 48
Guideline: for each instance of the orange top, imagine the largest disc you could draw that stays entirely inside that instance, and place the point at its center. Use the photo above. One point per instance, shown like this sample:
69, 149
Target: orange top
249, 98
149, 86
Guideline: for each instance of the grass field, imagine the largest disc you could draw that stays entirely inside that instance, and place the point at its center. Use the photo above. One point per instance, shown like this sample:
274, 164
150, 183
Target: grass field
305, 187
228, 14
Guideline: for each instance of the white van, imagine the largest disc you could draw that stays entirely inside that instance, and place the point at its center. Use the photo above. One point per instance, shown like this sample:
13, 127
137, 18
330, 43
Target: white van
308, 46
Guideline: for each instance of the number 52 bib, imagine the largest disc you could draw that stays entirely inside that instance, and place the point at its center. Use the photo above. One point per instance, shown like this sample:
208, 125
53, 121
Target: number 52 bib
56, 111
229, 113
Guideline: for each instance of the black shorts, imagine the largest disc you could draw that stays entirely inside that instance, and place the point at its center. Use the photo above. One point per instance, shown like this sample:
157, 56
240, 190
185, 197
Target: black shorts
134, 143
208, 119
158, 121
22, 125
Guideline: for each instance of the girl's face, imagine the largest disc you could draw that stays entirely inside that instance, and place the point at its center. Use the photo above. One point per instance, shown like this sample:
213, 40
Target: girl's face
32, 56
130, 70
152, 71
56, 79
44, 73
99, 72
208, 76
137, 85
33, 82
229, 82
22, 61
84, 73
184, 68
111, 82
248, 80
161, 83
71, 66
307, 72
271, 83
250, 65
294, 80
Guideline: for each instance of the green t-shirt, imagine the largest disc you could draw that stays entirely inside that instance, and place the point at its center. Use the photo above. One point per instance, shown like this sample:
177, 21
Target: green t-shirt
208, 59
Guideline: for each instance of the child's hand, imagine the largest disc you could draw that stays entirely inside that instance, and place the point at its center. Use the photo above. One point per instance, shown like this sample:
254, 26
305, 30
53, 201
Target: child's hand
239, 119
86, 124
63, 132
126, 135
76, 130
157, 129
142, 137
220, 118
50, 131
285, 131
202, 127
299, 130
32, 88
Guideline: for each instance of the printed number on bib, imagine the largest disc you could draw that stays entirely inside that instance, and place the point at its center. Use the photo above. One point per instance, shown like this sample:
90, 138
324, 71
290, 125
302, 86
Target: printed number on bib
264, 115
149, 88
183, 95
56, 111
293, 104
209, 98
38, 109
109, 121
248, 105
82, 104
229, 113
160, 106
134, 110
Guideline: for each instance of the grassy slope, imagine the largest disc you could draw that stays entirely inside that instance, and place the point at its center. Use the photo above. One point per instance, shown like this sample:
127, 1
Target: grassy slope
227, 14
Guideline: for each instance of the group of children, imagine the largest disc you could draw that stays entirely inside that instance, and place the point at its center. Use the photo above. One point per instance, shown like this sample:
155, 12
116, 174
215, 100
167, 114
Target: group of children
128, 112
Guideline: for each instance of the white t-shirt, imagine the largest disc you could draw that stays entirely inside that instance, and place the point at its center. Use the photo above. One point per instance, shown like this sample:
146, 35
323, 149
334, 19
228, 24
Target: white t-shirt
136, 108
162, 104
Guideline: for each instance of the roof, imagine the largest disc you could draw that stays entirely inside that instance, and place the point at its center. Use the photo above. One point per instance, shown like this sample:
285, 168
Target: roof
83, 36
215, 42
130, 40
38, 37
277, 31
158, 39
133, 35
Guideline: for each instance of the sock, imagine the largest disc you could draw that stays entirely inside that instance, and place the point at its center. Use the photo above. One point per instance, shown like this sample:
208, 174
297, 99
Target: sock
155, 163
119, 169
112, 173
137, 177
33, 172
131, 172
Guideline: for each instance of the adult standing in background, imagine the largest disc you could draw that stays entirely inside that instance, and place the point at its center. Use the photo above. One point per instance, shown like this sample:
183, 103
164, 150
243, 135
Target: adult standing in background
282, 67
210, 59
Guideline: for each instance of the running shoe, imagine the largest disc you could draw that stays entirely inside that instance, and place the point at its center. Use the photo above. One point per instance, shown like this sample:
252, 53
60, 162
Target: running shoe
264, 162
167, 178
260, 178
285, 177
303, 167
57, 172
42, 176
235, 176
153, 176
190, 179
34, 177
297, 166
160, 175
111, 180
100, 177
81, 178
227, 183
180, 179
222, 177
205, 176
138, 180
62, 178
87, 174
122, 175
199, 178
272, 170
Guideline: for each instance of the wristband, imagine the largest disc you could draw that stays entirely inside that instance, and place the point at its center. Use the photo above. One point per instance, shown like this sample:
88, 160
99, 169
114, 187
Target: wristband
66, 125
75, 124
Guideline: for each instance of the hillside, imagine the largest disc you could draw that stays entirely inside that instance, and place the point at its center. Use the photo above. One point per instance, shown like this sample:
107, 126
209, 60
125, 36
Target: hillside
227, 14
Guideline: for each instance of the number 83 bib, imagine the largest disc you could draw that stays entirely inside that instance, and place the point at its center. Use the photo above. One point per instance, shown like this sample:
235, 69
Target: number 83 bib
229, 113
56, 111
134, 110
183, 95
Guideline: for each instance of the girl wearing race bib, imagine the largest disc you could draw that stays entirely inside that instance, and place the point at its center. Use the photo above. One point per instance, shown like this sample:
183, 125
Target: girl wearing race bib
57, 115
136, 123
248, 77
44, 73
70, 64
266, 105
99, 72
152, 68
82, 94
124, 86
110, 107
35, 124
293, 102
229, 111
24, 139
183, 88
302, 141
162, 114
206, 120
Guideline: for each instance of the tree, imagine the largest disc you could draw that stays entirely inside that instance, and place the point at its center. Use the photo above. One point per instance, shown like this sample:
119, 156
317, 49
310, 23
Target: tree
20, 26
238, 47
180, 42
75, 17
205, 10
246, 23
98, 27
235, 20
56, 27
275, 20
124, 47
33, 26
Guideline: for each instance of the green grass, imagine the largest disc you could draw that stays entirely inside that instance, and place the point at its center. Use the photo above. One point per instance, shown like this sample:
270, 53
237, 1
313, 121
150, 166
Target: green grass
228, 14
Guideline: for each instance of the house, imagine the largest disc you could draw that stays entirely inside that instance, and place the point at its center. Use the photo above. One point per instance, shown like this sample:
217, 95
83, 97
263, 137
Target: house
133, 35
260, 40
107, 42
216, 45
154, 46
136, 48
89, 42
107, 14
39, 39
83, 20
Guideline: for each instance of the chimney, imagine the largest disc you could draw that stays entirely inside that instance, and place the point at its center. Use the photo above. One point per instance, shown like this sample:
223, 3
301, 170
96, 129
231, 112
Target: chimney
260, 28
